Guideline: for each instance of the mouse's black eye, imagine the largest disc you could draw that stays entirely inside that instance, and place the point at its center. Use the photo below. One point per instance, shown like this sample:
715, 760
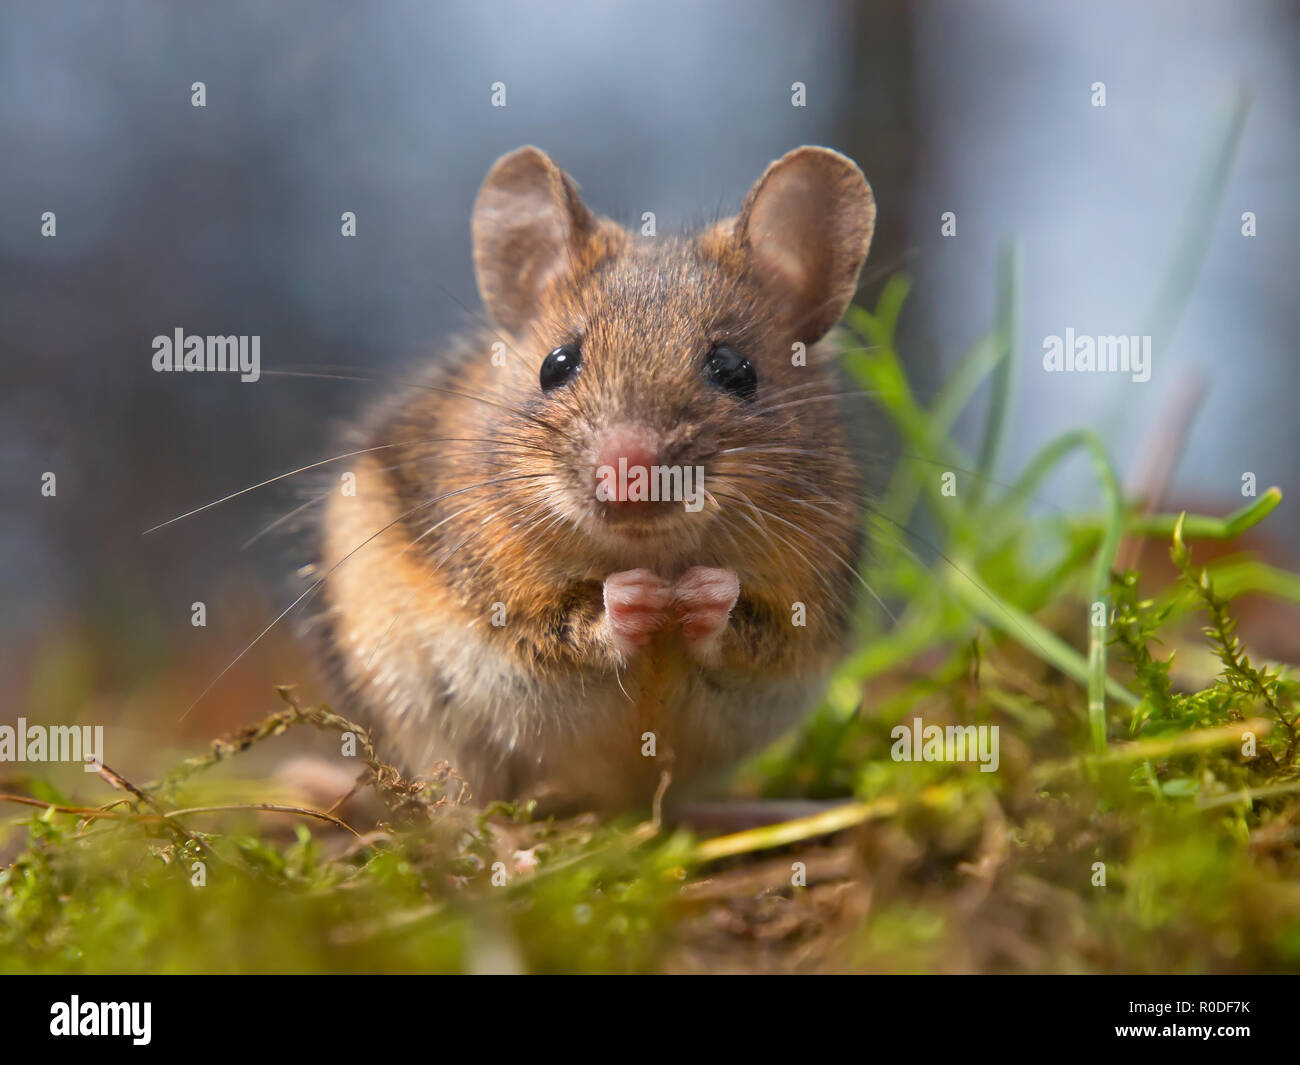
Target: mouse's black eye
559, 366
732, 372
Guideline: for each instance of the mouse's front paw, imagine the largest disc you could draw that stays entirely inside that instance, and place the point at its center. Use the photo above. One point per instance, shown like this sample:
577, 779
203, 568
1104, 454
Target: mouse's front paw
637, 603
703, 599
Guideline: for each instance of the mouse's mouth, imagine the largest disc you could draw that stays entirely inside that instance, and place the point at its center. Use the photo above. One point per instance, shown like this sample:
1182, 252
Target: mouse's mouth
638, 520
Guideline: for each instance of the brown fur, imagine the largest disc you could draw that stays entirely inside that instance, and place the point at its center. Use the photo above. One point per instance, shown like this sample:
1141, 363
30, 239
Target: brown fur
498, 512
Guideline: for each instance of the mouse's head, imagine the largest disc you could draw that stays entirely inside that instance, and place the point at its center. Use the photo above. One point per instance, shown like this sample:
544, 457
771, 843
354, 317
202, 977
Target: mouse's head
672, 354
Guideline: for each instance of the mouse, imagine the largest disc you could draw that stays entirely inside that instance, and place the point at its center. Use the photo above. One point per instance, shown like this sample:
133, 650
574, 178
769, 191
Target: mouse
609, 538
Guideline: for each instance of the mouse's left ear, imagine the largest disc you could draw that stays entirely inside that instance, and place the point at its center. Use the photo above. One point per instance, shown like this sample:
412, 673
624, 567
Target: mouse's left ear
807, 225
529, 227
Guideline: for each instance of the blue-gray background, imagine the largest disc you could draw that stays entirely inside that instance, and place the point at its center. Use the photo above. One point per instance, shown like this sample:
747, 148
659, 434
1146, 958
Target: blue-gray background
226, 220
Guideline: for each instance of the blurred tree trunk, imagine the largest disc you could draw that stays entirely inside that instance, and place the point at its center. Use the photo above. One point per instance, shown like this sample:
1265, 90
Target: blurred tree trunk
877, 127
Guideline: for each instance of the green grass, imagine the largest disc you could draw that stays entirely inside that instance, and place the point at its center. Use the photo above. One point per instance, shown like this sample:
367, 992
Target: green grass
1104, 760
1140, 821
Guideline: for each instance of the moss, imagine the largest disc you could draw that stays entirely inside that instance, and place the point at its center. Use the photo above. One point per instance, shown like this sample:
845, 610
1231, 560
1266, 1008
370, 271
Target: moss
1133, 824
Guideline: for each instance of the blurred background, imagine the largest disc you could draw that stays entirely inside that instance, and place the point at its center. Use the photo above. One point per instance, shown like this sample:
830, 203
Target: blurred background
225, 219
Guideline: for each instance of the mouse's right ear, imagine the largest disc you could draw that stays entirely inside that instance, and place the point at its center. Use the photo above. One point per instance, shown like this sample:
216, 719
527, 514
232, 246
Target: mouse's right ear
807, 226
528, 228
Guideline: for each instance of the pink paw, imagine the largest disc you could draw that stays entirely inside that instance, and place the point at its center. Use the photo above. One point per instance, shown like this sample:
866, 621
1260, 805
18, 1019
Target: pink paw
637, 603
703, 600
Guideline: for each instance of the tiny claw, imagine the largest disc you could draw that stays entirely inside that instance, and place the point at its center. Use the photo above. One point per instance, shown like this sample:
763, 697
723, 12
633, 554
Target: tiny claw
637, 603
703, 599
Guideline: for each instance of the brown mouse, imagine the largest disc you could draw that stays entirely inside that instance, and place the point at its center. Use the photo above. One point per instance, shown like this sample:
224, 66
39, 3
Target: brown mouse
501, 597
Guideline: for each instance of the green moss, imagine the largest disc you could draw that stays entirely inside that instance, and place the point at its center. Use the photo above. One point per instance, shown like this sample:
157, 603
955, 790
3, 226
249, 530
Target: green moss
1133, 824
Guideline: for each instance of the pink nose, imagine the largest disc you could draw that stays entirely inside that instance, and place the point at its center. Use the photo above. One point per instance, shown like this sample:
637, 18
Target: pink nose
623, 451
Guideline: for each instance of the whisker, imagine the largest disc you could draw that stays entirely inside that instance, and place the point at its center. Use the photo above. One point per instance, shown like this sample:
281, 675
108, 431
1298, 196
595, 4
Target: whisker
486, 323
618, 678
265, 529
820, 399
524, 532
432, 571
321, 580
766, 475
944, 464
514, 411
770, 449
834, 554
765, 514
263, 484
305, 469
